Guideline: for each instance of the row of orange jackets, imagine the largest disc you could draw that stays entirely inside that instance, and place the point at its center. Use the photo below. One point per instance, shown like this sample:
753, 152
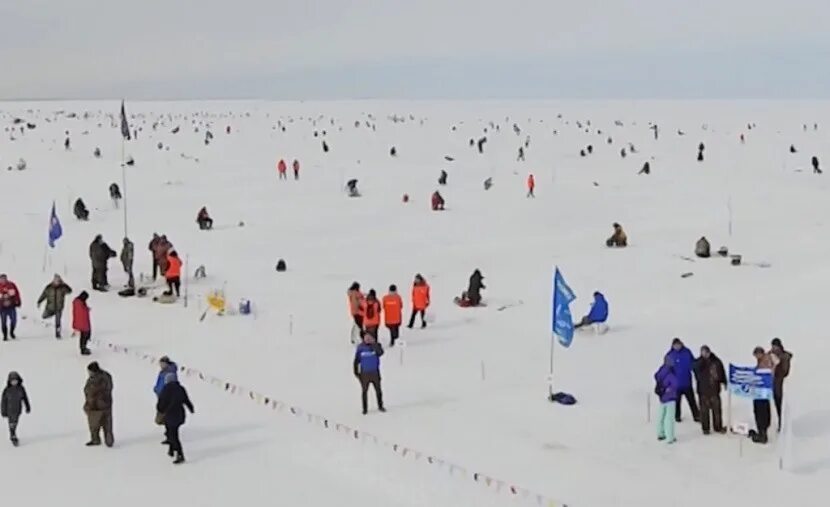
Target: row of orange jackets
391, 306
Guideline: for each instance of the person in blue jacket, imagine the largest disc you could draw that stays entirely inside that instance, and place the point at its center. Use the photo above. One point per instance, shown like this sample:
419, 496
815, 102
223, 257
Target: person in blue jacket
683, 361
166, 366
367, 369
598, 313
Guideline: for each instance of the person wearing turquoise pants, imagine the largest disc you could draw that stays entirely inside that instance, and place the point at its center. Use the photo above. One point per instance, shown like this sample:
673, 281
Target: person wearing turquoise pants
666, 389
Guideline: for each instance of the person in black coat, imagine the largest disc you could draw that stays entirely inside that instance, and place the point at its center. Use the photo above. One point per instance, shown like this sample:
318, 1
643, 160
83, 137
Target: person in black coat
171, 404
12, 402
474, 289
80, 210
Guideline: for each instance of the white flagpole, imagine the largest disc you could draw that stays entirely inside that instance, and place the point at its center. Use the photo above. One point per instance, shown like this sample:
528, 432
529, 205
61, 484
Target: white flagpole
552, 337
124, 183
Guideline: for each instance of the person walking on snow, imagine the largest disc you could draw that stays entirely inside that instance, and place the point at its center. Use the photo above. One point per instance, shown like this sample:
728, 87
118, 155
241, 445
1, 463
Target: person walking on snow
171, 404
683, 360
598, 313
9, 303
531, 185
81, 322
370, 308
12, 402
392, 313
355, 298
710, 375
173, 275
367, 369
782, 371
166, 366
296, 167
420, 301
55, 296
281, 169
98, 405
667, 390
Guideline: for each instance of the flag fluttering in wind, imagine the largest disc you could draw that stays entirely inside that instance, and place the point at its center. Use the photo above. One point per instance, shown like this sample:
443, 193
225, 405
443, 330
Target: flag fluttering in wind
125, 127
563, 324
55, 229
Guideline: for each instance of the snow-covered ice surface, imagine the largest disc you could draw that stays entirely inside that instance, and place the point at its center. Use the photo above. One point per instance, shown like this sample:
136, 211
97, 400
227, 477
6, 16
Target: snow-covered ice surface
470, 389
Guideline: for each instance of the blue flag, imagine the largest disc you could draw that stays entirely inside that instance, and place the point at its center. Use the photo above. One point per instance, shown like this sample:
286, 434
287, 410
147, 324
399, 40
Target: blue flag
55, 229
563, 324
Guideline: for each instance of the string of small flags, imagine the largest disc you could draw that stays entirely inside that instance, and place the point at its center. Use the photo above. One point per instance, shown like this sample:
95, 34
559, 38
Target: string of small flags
491, 483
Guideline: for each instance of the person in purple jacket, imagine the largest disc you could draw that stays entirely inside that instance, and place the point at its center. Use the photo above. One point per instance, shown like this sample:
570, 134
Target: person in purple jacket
683, 361
666, 389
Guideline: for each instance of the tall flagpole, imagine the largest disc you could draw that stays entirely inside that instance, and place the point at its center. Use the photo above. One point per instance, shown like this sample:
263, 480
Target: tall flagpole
124, 184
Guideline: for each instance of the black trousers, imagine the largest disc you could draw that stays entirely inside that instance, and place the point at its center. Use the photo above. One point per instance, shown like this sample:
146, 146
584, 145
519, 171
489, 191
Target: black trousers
415, 313
171, 431
763, 416
689, 393
155, 268
394, 333
358, 321
367, 379
372, 330
174, 284
778, 397
710, 411
84, 340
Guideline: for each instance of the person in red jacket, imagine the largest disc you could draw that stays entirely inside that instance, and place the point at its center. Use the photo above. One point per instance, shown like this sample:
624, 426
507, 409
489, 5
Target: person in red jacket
371, 310
420, 300
281, 169
81, 322
437, 202
9, 303
296, 167
531, 185
392, 313
173, 275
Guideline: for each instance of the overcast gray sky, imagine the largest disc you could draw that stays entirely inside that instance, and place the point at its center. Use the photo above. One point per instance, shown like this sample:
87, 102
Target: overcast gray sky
311, 49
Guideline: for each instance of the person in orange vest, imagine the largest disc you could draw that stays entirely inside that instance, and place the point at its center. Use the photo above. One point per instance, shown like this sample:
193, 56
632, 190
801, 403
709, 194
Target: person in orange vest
371, 313
281, 169
296, 167
420, 300
173, 275
392, 310
355, 308
531, 185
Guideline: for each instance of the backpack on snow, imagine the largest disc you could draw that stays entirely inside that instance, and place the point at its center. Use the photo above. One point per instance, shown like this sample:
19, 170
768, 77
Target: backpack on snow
562, 398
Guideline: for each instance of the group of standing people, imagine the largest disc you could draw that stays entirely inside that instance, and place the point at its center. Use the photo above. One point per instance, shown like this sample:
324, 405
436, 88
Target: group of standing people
673, 382
282, 169
167, 262
366, 311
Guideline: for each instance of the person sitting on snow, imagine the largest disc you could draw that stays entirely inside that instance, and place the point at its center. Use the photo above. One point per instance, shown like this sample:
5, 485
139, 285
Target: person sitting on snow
488, 183
598, 313
437, 202
442, 179
618, 239
351, 187
81, 213
204, 220
702, 248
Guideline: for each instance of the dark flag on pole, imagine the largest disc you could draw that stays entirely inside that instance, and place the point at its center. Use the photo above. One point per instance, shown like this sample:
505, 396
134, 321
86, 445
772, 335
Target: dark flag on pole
125, 127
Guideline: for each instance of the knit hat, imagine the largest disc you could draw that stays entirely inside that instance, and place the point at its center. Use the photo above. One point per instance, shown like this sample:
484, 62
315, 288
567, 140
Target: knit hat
93, 367
776, 342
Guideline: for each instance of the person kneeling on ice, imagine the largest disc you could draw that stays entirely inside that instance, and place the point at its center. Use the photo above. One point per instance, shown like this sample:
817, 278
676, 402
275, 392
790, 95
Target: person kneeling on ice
666, 389
618, 239
81, 213
598, 313
437, 202
115, 194
367, 369
204, 220
702, 248
12, 402
351, 187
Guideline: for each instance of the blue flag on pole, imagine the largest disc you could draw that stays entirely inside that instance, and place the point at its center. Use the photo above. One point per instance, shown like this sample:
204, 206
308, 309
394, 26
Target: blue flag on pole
55, 229
563, 324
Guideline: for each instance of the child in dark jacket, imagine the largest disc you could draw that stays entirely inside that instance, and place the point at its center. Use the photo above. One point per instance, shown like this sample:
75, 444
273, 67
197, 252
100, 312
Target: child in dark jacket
12, 402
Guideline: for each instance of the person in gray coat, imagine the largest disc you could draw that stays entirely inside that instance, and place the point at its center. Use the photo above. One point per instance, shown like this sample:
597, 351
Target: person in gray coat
12, 402
127, 257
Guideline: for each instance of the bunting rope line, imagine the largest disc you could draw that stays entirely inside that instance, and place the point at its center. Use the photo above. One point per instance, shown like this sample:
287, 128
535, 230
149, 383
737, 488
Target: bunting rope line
492, 484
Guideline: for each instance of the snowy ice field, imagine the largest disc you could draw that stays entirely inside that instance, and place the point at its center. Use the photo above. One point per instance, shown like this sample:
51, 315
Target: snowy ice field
471, 388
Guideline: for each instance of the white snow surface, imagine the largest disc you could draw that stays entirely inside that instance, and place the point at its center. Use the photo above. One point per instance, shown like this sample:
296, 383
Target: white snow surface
471, 388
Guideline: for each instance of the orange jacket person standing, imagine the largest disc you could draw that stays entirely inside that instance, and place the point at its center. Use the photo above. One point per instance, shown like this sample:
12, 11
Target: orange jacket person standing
355, 303
371, 313
281, 169
392, 313
531, 185
420, 300
173, 275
